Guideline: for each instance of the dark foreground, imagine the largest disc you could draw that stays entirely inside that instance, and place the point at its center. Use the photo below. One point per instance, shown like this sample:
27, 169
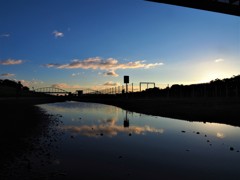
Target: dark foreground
22, 124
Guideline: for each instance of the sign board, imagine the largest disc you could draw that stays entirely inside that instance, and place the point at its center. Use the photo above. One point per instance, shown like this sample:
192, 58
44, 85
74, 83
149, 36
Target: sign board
126, 79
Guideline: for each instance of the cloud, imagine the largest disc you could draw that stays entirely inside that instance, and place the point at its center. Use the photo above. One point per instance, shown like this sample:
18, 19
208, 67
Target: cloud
51, 65
218, 60
111, 73
153, 65
58, 34
5, 35
65, 86
110, 83
7, 74
25, 83
109, 64
31, 83
77, 74
11, 62
35, 81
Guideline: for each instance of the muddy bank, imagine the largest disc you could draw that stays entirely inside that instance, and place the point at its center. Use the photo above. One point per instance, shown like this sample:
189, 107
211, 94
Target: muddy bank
220, 110
22, 125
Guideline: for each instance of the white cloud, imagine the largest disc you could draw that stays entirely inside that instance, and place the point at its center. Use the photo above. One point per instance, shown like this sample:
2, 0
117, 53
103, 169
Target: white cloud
111, 73
218, 60
110, 83
65, 86
153, 65
25, 83
7, 74
74, 74
77, 74
58, 34
11, 62
5, 35
109, 64
35, 82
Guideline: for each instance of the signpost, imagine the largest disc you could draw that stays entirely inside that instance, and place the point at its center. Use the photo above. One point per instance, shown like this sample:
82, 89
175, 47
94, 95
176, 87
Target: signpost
126, 81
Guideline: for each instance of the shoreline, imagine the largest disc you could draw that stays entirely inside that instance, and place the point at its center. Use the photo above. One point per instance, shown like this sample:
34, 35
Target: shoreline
213, 110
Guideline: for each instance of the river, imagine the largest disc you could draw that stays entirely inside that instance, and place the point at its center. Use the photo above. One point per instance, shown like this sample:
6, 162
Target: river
96, 141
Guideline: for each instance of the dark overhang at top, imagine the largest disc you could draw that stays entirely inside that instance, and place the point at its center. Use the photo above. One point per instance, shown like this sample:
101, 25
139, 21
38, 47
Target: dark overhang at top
231, 7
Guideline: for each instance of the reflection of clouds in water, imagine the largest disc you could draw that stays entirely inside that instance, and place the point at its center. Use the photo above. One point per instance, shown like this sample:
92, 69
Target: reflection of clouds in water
109, 122
220, 135
110, 129
72, 109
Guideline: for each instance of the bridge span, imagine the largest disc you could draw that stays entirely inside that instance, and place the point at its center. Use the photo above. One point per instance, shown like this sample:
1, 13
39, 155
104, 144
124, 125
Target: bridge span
52, 90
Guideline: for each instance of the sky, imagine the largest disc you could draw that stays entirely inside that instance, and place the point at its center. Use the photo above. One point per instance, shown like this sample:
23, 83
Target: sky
80, 44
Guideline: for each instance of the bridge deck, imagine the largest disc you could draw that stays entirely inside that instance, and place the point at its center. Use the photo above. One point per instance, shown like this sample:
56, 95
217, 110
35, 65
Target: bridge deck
231, 7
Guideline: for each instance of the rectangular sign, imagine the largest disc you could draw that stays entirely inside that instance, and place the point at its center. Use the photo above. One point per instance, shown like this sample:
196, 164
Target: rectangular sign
126, 79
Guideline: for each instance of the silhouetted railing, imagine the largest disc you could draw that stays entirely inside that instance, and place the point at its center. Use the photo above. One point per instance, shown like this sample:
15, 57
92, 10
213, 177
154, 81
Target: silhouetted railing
217, 88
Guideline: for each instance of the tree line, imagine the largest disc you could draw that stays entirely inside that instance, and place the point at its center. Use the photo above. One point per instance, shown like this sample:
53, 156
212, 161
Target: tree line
228, 87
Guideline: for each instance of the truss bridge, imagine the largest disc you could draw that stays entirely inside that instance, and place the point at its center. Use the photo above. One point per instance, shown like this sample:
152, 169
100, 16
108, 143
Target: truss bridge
52, 90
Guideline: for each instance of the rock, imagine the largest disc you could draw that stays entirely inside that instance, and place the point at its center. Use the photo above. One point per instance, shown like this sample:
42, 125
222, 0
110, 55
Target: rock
231, 149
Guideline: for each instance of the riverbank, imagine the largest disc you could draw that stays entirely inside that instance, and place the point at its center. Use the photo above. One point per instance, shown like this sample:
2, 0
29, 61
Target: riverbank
21, 125
218, 110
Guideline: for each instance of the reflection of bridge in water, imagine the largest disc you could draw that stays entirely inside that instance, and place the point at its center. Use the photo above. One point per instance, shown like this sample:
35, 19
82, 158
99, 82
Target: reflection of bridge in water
52, 90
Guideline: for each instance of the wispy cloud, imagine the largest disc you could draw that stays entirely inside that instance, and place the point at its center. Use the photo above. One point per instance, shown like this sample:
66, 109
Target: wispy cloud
111, 73
31, 83
11, 62
5, 35
77, 74
7, 74
218, 60
109, 64
110, 83
65, 86
36, 81
58, 34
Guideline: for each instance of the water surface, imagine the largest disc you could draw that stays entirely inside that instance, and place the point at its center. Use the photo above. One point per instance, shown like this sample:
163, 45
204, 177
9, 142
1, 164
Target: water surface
102, 141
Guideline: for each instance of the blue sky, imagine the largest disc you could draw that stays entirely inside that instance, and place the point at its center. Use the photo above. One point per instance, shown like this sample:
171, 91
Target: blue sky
77, 44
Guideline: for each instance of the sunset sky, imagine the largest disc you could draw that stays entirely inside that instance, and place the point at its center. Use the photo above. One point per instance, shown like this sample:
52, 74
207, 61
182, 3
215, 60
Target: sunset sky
78, 44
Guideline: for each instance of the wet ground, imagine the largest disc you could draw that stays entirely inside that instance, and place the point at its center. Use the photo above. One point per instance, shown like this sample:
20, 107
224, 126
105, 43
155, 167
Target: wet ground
95, 141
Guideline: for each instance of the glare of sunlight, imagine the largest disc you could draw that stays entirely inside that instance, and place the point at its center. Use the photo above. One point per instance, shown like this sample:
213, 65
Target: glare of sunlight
212, 75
